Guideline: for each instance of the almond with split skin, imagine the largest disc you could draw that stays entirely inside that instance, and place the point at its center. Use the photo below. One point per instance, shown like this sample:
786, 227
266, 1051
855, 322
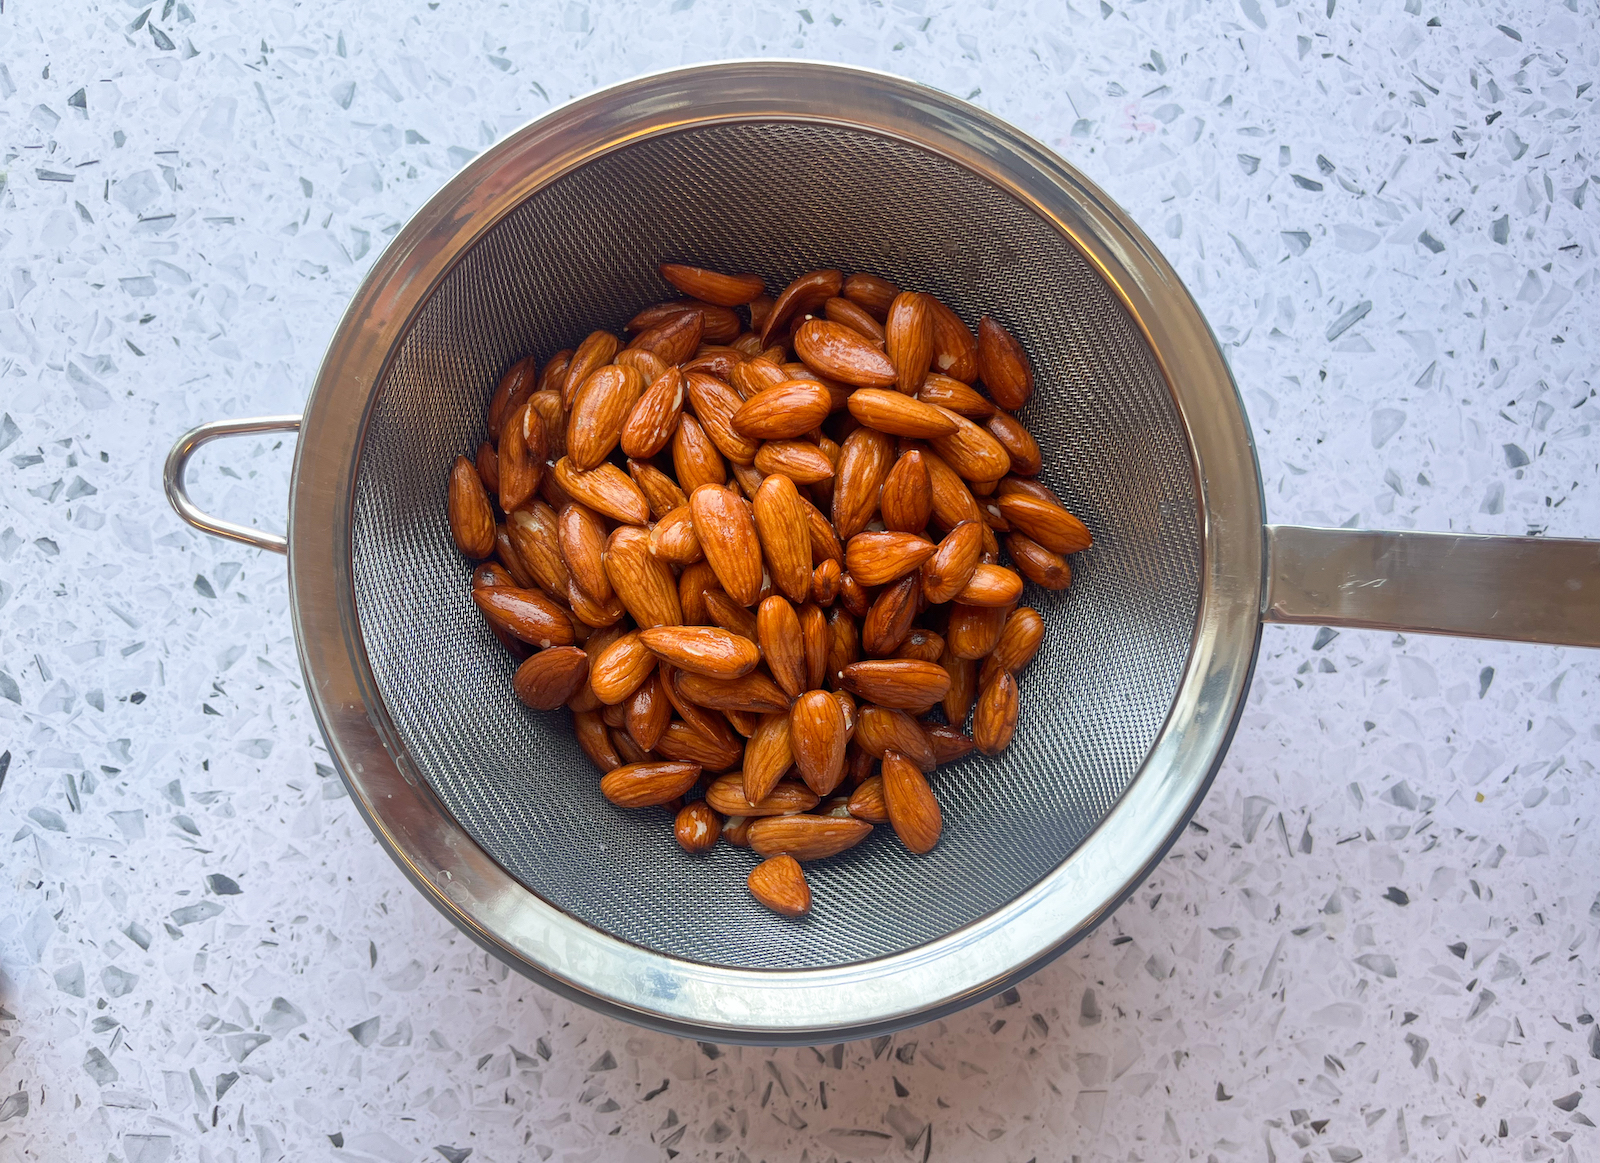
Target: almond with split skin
805, 836
913, 811
708, 650
817, 738
675, 338
905, 684
888, 620
955, 348
778, 883
696, 828
833, 350
471, 515
726, 527
644, 785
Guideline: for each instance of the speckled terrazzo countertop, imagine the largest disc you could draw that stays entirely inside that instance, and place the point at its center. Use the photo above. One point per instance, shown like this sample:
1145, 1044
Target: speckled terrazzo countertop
1378, 940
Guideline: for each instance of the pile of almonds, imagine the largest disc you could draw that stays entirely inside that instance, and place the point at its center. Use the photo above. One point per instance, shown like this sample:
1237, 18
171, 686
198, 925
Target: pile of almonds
711, 542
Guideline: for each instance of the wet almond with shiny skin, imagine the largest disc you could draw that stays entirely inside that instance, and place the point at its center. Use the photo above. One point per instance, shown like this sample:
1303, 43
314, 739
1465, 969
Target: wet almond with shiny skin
645, 785
1039, 565
901, 415
712, 286
530, 615
817, 737
995, 717
784, 536
908, 340
549, 678
708, 650
752, 693
780, 885
726, 527
642, 581
906, 502
951, 565
696, 827
619, 669
875, 559
1003, 366
913, 811
784, 411
654, 416
834, 350
805, 836
726, 794
905, 684
605, 489
1049, 525
471, 515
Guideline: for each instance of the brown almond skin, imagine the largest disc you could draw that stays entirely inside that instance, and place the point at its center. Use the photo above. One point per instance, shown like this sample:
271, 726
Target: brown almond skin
694, 457
1028, 487
958, 700
595, 740
825, 544
806, 837
842, 311
974, 630
825, 582
583, 542
875, 559
712, 286
506, 551
1020, 640
602, 404
901, 415
597, 350
834, 350
1049, 525
971, 451
673, 538
814, 631
847, 704
585, 699
520, 381
696, 828
883, 729
817, 738
799, 460
904, 684
1036, 563
521, 458
767, 756
588, 611
995, 718
726, 795
991, 585
644, 584
719, 751
844, 644
654, 416
952, 564
778, 883
708, 650
906, 501
955, 348
888, 620
754, 376
913, 811
650, 366
872, 294
471, 515
660, 491
1026, 457
675, 338
548, 679
785, 411
715, 404
806, 293
753, 693
866, 802
552, 414
645, 785
949, 743
785, 541
534, 533
945, 392
748, 478
711, 724
853, 596
530, 615
649, 712
619, 670
692, 586
1003, 365
782, 645
730, 615
736, 831
921, 644
953, 501
727, 532
605, 489
714, 360
487, 462
908, 340
554, 372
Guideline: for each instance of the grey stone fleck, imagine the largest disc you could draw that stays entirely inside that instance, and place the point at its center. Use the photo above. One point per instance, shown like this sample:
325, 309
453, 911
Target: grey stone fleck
366, 1032
98, 1067
199, 911
117, 981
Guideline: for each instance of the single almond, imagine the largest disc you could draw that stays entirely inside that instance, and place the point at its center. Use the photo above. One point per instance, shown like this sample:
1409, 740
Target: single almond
949, 743
971, 451
782, 645
714, 360
552, 415
582, 537
898, 683
693, 583
864, 463
991, 585
923, 644
781, 528
901, 415
908, 337
872, 294
963, 690
715, 404
520, 381
805, 836
654, 417
888, 620
1038, 564
736, 830
973, 631
471, 516
591, 611
875, 559
814, 633
854, 596
521, 458
712, 286
806, 293
866, 801
847, 704
833, 350
817, 737
883, 729
1026, 456
754, 376
487, 462
673, 538
595, 740
694, 457
913, 811
729, 614
718, 751
842, 311
644, 584
618, 670
726, 795
995, 718
534, 534
675, 338
955, 348
1020, 640
597, 350
707, 650
767, 756
696, 827
844, 644
825, 544
644, 785
953, 501
906, 501
825, 582
1049, 525
944, 392
1028, 487
753, 693
548, 679
727, 532
649, 712
529, 615
510, 560
799, 460
650, 366
720, 324
748, 478
605, 489
1003, 365
784, 411
554, 372
778, 883
602, 404
705, 721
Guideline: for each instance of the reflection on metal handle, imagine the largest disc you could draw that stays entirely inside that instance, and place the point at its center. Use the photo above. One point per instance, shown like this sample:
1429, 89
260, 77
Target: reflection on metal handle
1525, 589
178, 460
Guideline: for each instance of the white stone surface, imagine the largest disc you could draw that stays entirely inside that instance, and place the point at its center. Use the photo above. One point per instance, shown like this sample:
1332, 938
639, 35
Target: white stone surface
207, 957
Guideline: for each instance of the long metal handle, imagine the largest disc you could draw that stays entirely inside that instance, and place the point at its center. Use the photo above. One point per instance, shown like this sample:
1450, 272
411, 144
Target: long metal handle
1524, 589
177, 494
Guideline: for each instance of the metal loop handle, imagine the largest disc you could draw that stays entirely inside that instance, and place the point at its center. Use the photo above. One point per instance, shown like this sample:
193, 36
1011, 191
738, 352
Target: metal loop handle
178, 496
1519, 589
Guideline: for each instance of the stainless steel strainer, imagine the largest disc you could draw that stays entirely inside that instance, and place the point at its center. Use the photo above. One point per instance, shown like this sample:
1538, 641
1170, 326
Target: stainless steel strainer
782, 167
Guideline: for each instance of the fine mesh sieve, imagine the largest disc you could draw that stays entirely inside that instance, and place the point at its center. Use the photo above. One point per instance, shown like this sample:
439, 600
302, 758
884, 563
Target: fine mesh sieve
780, 167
